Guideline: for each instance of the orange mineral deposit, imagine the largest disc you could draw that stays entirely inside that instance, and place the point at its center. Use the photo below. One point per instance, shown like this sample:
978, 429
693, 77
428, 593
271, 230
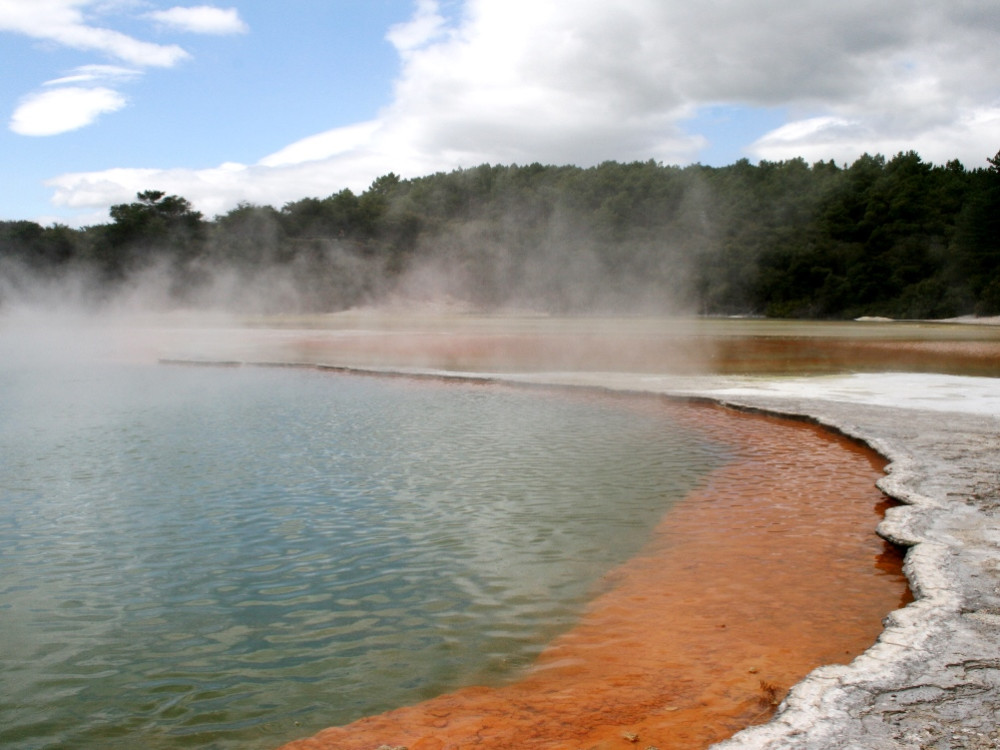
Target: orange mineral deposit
770, 569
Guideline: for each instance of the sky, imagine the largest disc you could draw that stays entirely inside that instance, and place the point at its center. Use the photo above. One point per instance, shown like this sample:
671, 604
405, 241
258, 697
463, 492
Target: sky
268, 102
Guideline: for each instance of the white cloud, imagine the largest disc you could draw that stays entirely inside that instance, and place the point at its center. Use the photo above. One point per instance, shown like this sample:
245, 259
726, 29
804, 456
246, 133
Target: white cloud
62, 21
214, 191
201, 19
323, 145
91, 74
63, 109
582, 82
973, 135
426, 25
85, 93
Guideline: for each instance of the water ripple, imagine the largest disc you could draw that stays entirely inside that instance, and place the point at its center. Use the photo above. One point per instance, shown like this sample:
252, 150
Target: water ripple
222, 558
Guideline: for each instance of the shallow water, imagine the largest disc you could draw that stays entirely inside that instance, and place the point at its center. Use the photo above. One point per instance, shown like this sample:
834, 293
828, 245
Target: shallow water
766, 571
201, 557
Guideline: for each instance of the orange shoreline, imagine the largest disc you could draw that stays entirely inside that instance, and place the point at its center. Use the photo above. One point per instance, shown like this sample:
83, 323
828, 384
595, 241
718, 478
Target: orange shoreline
767, 571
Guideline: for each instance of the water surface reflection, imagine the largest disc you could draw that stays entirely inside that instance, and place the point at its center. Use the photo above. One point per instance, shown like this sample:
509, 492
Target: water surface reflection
207, 557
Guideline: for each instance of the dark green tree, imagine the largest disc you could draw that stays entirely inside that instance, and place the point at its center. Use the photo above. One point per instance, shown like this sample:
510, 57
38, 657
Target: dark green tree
977, 239
155, 227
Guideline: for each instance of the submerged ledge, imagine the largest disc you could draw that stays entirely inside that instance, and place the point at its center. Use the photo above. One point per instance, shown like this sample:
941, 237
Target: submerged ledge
932, 678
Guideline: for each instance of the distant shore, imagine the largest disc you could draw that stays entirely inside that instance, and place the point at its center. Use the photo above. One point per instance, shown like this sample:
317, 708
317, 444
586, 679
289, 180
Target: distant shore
473, 342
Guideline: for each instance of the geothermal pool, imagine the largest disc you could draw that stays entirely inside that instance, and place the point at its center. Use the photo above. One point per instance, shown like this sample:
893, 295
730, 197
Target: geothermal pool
223, 557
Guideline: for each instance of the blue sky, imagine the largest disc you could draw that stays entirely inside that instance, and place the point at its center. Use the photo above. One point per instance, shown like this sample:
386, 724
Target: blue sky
268, 102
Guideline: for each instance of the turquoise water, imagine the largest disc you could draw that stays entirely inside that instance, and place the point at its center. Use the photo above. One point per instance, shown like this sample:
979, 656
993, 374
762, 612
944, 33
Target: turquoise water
235, 557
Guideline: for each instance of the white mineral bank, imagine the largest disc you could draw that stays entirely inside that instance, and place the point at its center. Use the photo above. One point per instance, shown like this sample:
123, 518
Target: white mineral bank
897, 390
950, 393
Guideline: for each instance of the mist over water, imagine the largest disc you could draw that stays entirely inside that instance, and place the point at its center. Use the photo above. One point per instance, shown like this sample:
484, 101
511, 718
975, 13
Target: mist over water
552, 248
222, 557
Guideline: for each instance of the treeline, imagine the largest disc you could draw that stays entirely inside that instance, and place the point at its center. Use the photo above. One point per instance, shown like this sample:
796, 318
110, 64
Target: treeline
898, 237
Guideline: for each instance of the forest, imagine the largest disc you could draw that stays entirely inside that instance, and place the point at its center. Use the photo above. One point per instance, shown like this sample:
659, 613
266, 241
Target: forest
900, 238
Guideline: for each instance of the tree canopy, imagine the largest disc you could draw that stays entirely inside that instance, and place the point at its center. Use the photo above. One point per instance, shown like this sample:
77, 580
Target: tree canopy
898, 237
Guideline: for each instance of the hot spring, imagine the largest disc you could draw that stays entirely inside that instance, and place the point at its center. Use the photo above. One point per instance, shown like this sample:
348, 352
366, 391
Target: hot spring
223, 557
